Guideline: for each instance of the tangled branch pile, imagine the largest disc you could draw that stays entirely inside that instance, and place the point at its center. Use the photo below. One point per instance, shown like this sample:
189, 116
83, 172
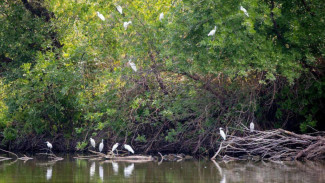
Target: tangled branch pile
273, 145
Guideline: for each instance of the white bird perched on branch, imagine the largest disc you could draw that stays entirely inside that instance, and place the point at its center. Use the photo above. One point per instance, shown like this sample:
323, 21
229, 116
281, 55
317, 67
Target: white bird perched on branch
115, 147
213, 31
222, 133
251, 126
129, 148
101, 146
49, 145
126, 24
244, 10
119, 9
92, 142
100, 16
133, 66
161, 16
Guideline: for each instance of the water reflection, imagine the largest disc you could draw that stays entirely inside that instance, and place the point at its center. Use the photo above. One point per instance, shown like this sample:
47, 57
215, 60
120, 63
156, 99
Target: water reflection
71, 170
101, 172
49, 173
128, 170
115, 167
92, 169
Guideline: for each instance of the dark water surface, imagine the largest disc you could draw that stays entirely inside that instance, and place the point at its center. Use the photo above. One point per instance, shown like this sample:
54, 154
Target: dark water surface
73, 170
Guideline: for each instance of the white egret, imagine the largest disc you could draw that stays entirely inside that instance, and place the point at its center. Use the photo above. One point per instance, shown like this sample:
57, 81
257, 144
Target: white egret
49, 145
133, 66
100, 16
222, 133
48, 173
129, 148
128, 170
119, 9
92, 142
101, 146
126, 24
161, 16
244, 10
101, 172
115, 167
115, 147
213, 31
251, 126
92, 169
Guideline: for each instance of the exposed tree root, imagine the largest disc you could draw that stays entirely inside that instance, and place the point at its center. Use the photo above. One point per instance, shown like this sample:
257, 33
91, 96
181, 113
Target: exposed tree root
272, 145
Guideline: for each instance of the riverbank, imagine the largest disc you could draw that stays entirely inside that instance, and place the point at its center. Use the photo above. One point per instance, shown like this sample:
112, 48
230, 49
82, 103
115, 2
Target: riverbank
240, 145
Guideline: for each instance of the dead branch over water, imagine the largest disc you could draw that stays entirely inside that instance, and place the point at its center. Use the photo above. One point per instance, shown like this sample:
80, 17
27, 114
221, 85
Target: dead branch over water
272, 145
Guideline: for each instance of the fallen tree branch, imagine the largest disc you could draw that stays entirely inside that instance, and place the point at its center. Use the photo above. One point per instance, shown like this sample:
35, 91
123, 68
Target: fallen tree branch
272, 145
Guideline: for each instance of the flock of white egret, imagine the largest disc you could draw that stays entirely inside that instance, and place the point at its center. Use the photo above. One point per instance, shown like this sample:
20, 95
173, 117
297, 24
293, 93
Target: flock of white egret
161, 17
129, 148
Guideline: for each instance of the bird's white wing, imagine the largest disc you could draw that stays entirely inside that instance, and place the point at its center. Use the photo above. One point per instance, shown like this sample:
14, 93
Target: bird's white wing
119, 9
212, 32
133, 66
161, 16
223, 135
114, 147
251, 126
244, 10
129, 148
100, 16
101, 146
93, 143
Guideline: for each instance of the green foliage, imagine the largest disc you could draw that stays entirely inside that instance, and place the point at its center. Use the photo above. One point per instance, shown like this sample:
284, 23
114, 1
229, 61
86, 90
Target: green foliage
188, 84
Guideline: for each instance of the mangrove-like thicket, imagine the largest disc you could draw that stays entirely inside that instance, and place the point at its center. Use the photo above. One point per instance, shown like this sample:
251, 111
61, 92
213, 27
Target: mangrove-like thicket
66, 75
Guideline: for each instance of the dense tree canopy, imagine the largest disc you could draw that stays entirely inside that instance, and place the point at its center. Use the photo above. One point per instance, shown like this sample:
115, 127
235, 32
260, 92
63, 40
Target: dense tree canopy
65, 72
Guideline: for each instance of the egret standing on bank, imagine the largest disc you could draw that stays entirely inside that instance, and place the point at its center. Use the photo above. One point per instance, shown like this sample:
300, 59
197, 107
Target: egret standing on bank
244, 10
129, 148
49, 145
119, 9
251, 126
161, 16
92, 142
101, 146
115, 147
222, 133
126, 24
133, 66
213, 31
100, 16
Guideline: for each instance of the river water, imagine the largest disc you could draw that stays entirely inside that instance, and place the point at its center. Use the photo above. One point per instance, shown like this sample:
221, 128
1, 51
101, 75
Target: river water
196, 171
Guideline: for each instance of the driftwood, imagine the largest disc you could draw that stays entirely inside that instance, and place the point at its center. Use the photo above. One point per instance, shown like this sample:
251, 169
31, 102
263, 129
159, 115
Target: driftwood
110, 156
272, 145
52, 156
24, 158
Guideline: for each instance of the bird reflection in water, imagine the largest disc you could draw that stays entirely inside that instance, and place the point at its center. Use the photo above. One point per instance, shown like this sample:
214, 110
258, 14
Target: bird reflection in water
101, 172
115, 168
128, 170
92, 169
49, 173
222, 174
